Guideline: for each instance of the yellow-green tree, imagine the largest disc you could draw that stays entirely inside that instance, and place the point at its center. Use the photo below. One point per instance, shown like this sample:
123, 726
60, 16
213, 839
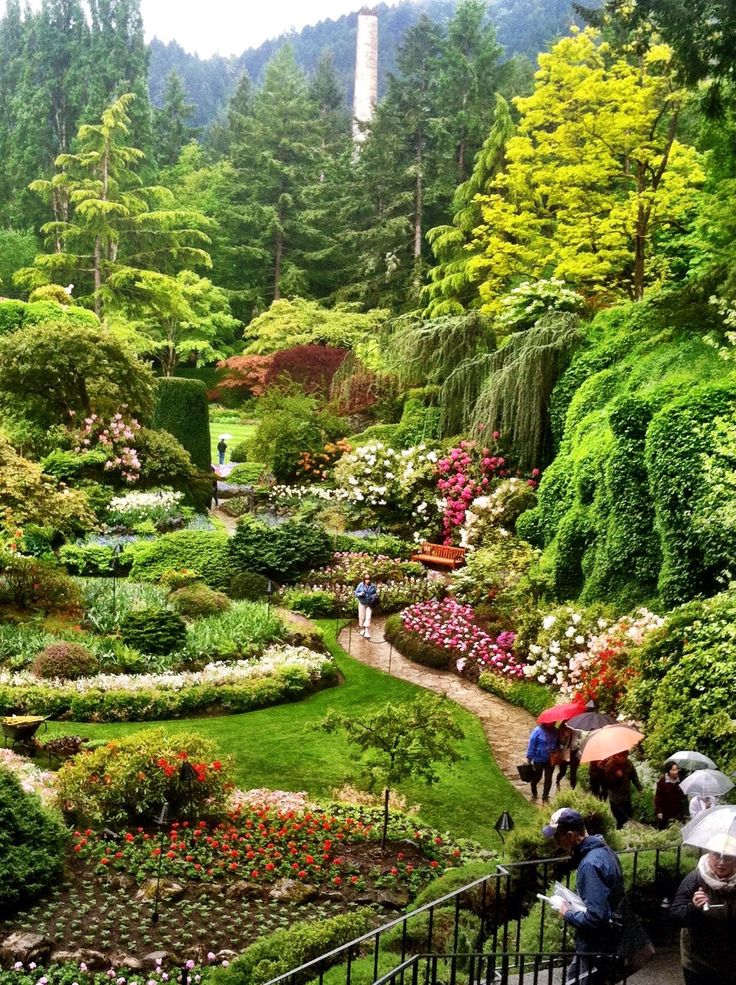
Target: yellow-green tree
593, 173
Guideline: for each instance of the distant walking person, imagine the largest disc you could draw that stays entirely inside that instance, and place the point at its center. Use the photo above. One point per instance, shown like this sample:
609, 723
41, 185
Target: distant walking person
367, 596
669, 800
221, 449
543, 742
619, 775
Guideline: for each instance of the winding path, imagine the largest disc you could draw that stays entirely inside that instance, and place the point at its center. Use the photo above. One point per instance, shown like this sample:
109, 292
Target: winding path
506, 727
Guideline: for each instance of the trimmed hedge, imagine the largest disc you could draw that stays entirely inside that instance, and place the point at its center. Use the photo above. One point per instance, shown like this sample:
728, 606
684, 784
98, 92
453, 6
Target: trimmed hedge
67, 704
247, 473
206, 551
283, 950
182, 410
525, 694
383, 544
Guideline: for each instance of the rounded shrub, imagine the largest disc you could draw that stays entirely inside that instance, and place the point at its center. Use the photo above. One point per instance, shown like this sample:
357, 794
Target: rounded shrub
32, 845
283, 552
67, 661
239, 451
195, 601
248, 586
141, 771
182, 410
155, 631
205, 551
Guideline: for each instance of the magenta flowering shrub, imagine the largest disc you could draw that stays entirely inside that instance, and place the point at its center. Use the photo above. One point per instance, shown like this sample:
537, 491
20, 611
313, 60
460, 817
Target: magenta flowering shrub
465, 473
450, 626
117, 438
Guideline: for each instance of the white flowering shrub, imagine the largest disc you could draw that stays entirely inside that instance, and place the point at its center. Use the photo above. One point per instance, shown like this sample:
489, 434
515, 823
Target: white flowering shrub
133, 508
495, 514
565, 634
392, 486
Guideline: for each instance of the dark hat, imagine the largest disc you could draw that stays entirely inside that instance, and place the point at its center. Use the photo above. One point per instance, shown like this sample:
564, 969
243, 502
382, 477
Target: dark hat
562, 821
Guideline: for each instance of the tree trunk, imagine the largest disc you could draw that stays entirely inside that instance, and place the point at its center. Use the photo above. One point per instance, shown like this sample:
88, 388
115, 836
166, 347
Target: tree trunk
384, 833
98, 276
278, 260
418, 215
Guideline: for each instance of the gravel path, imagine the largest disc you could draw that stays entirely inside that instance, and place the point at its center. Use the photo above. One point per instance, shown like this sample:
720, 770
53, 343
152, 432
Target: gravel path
507, 727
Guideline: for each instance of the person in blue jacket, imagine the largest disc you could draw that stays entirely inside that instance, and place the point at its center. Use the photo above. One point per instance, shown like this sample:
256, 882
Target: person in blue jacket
367, 596
600, 885
543, 742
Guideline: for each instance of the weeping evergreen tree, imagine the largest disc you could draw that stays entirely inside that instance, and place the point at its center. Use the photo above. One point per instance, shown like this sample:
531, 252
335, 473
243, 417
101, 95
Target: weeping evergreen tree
514, 398
451, 288
453, 352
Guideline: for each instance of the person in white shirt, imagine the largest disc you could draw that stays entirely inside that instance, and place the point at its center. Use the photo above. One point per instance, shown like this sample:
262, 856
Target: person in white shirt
701, 802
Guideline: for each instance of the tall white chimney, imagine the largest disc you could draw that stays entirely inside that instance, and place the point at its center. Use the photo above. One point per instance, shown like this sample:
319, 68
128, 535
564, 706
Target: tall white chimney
366, 73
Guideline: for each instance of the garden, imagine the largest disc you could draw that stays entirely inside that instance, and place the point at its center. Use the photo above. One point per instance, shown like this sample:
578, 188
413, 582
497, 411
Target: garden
197, 781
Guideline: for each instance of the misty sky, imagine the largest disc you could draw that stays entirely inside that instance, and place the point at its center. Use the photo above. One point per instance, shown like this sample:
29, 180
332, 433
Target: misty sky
230, 27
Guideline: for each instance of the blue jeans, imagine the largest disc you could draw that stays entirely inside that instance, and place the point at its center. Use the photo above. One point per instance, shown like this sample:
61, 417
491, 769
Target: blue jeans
221, 456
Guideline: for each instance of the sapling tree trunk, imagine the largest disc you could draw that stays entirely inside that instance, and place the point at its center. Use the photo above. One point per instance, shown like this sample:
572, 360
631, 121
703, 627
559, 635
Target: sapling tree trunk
384, 833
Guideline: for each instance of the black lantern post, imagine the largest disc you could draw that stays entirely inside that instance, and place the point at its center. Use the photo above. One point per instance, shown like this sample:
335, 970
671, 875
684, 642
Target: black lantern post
504, 824
269, 593
116, 552
161, 821
186, 775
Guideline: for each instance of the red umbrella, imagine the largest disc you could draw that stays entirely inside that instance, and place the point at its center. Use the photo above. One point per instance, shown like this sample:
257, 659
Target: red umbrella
561, 713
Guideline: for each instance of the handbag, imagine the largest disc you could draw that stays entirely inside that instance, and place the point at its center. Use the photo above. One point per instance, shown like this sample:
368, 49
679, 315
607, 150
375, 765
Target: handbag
555, 757
634, 949
526, 772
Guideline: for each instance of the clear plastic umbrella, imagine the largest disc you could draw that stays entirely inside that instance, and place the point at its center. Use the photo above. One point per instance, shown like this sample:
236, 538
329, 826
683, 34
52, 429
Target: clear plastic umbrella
225, 437
689, 760
706, 783
713, 830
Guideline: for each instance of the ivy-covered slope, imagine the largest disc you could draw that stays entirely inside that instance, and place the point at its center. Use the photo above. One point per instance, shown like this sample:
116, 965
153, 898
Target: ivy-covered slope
632, 508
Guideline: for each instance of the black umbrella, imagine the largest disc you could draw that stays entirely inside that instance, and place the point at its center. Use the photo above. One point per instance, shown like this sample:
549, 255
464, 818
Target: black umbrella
589, 721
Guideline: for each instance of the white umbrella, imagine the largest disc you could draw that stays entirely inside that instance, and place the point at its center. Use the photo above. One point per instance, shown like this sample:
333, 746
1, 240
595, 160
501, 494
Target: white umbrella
713, 830
225, 437
706, 783
688, 759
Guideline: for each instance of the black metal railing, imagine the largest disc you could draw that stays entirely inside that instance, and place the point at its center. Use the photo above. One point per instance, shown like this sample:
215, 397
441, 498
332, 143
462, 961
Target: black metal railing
485, 918
510, 968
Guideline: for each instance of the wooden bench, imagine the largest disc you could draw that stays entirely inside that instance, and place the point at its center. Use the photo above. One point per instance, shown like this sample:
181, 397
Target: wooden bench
445, 557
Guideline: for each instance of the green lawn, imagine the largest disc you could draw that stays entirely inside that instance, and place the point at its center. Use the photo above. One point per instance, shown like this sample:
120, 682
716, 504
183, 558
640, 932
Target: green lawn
239, 432
284, 748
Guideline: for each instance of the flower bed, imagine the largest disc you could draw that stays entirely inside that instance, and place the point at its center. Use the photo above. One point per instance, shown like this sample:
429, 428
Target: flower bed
322, 602
447, 634
284, 673
30, 777
348, 568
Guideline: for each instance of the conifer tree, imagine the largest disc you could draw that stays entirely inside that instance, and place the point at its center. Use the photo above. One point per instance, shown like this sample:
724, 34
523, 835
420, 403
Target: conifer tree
170, 122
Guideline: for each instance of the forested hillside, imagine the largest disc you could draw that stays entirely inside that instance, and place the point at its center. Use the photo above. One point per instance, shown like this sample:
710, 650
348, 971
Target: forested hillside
524, 27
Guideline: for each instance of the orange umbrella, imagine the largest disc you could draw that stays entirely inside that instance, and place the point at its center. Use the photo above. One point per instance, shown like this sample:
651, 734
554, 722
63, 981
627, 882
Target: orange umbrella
609, 740
561, 713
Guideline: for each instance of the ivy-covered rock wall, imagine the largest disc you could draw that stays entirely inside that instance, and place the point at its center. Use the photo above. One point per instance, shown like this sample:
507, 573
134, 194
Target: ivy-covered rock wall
644, 420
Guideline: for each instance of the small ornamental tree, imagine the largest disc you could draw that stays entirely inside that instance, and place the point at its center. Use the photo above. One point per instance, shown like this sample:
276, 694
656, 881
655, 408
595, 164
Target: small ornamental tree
401, 742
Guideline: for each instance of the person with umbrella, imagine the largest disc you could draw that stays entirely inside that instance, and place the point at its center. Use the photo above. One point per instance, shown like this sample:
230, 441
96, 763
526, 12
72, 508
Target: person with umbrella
704, 907
669, 800
221, 449
544, 743
620, 775
705, 787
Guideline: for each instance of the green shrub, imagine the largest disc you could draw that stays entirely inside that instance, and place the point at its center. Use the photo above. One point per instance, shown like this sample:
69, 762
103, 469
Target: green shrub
383, 544
527, 843
524, 694
91, 560
248, 586
315, 604
410, 646
67, 661
164, 460
196, 601
71, 466
283, 552
32, 845
183, 411
277, 953
155, 631
246, 474
420, 420
207, 552
385, 433
32, 584
239, 451
12, 314
125, 797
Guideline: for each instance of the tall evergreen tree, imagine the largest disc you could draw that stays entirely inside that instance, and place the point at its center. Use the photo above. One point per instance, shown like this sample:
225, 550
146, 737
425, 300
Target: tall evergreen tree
171, 127
276, 159
115, 223
452, 287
